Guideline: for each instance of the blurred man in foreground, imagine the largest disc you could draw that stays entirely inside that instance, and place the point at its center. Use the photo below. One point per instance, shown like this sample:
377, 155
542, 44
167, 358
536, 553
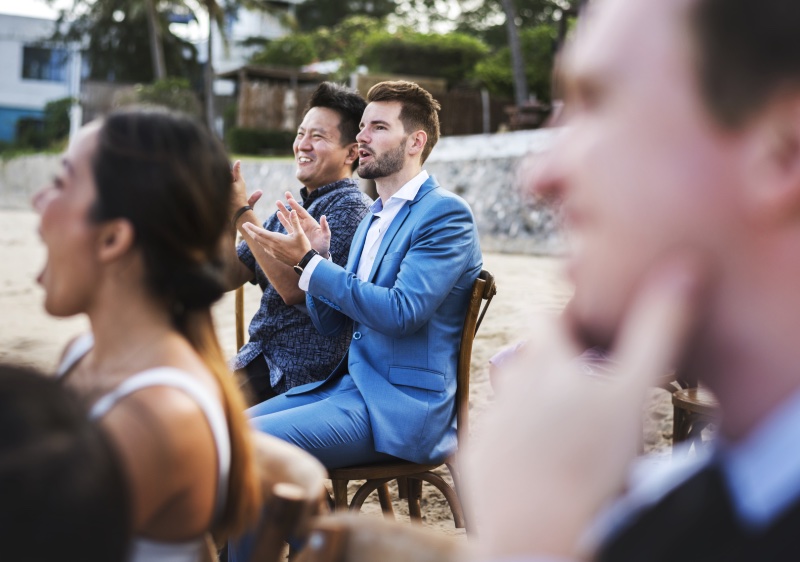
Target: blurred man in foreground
680, 179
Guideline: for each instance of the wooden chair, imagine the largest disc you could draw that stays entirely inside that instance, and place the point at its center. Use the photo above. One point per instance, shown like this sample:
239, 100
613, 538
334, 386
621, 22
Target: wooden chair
410, 475
347, 538
694, 408
292, 484
238, 308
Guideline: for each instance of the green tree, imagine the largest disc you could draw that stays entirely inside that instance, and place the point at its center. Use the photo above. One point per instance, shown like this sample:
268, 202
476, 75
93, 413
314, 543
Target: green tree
496, 74
117, 42
313, 14
487, 18
451, 56
297, 49
346, 41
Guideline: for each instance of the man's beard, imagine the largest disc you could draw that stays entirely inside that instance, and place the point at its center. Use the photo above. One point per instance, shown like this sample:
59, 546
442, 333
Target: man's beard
384, 165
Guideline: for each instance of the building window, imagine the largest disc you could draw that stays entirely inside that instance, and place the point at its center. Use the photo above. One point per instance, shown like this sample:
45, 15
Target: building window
42, 63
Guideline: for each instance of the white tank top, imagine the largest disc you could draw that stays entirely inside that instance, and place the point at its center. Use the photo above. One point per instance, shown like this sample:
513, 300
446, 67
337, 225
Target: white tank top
145, 550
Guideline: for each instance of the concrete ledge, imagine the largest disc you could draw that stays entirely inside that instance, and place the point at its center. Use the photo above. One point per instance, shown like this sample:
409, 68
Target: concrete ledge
483, 169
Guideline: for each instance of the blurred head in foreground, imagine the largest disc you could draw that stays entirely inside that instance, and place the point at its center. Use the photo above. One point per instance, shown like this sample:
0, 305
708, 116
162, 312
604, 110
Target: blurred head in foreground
62, 486
684, 136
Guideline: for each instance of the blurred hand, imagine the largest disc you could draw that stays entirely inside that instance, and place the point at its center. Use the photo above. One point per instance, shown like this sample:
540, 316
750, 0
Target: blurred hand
556, 445
239, 191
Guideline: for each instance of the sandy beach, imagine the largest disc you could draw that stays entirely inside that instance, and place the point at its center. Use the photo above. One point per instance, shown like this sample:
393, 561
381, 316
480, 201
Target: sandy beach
526, 285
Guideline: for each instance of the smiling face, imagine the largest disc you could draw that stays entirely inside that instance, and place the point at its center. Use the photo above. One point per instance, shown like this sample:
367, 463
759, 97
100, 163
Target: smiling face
382, 141
642, 169
71, 271
321, 159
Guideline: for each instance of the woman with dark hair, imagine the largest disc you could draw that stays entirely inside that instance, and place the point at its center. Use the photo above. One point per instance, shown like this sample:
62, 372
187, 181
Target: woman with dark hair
132, 224
62, 487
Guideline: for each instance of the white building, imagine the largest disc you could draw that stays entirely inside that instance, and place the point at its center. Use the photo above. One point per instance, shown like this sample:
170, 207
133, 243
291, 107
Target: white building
31, 72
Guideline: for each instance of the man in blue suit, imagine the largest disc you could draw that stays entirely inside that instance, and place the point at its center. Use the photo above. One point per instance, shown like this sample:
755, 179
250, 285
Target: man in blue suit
406, 286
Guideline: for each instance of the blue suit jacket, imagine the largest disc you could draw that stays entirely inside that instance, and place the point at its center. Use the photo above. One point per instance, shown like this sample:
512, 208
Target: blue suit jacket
408, 318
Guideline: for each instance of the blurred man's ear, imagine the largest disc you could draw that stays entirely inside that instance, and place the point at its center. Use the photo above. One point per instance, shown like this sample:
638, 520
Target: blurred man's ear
773, 167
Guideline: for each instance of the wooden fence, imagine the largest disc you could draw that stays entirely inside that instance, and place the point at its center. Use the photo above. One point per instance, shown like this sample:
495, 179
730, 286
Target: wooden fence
270, 106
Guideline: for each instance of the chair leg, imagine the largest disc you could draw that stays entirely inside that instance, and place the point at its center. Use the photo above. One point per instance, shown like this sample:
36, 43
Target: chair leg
455, 474
340, 494
414, 495
402, 488
386, 501
448, 493
680, 425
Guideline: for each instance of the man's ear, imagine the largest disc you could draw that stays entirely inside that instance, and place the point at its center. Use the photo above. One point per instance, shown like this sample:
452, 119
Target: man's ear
416, 142
352, 154
773, 166
116, 237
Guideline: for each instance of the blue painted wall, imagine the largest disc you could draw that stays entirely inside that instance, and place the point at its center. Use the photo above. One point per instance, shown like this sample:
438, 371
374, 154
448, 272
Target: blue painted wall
8, 121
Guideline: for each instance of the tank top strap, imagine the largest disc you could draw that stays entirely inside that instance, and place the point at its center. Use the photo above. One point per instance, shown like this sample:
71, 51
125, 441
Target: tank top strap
79, 347
208, 403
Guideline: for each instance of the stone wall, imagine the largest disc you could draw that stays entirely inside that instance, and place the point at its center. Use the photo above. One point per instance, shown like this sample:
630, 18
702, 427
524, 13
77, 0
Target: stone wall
483, 169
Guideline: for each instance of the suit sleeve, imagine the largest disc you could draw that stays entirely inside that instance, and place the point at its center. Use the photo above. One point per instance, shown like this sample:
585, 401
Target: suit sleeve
442, 247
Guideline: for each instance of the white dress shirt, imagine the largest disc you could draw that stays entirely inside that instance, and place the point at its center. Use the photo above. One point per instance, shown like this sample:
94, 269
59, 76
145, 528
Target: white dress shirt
383, 215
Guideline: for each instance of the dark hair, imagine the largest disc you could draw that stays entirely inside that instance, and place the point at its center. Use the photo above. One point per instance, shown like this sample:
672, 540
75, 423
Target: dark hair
171, 179
419, 109
167, 175
344, 101
63, 489
748, 51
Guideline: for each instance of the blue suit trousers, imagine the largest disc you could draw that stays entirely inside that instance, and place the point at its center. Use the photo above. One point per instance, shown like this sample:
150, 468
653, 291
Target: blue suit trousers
341, 433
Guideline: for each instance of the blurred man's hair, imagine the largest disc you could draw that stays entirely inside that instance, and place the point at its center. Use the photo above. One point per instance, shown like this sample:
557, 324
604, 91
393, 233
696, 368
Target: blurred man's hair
62, 487
748, 52
419, 109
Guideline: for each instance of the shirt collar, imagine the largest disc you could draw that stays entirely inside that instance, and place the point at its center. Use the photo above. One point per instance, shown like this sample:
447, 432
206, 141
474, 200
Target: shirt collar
310, 197
763, 473
406, 193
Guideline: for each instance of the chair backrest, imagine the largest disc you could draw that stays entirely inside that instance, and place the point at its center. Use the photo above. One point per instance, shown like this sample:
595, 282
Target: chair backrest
483, 291
238, 307
292, 485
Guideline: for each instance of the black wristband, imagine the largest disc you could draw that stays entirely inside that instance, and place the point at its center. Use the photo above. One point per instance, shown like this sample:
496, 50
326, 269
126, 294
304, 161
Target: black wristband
239, 213
304, 262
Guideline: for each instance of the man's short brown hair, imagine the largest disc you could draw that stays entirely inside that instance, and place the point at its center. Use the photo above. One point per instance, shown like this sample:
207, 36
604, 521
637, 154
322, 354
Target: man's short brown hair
419, 109
748, 52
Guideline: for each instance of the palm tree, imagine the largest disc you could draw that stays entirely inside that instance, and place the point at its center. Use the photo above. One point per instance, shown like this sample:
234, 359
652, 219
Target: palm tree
156, 44
153, 25
517, 61
216, 15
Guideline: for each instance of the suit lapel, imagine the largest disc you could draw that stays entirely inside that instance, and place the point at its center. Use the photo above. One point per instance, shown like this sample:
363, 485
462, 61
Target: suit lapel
397, 223
357, 245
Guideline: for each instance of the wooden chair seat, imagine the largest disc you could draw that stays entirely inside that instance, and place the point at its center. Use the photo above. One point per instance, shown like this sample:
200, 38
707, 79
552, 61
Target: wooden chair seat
410, 476
382, 470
